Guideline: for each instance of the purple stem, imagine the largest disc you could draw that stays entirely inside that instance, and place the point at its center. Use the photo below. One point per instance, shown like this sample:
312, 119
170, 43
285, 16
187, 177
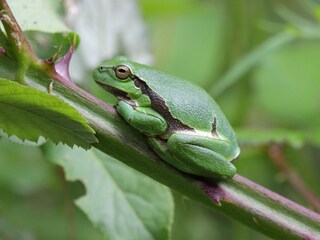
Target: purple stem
260, 206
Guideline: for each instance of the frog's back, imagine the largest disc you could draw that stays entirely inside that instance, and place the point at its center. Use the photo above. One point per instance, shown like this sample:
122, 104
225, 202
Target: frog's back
185, 101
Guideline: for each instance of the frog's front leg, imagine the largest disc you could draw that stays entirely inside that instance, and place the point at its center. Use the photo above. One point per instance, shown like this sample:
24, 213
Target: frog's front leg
200, 155
144, 119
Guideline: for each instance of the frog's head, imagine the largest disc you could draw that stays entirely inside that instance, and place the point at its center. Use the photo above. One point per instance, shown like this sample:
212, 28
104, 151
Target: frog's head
116, 76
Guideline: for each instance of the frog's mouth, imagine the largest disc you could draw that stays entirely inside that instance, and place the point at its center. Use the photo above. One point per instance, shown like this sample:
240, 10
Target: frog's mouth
115, 91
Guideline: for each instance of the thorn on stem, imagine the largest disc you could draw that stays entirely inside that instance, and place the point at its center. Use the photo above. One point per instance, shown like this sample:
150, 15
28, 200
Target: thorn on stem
15, 36
50, 89
276, 154
61, 67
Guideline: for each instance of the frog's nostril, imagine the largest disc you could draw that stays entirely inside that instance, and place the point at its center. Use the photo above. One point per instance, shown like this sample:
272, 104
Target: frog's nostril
104, 69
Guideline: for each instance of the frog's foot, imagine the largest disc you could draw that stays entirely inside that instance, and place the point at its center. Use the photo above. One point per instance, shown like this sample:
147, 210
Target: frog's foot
203, 156
144, 119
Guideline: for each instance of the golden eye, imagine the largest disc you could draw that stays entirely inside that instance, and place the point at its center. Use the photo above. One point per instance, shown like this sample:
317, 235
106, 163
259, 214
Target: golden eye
122, 72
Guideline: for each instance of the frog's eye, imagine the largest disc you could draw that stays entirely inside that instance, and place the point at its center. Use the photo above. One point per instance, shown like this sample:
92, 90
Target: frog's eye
122, 72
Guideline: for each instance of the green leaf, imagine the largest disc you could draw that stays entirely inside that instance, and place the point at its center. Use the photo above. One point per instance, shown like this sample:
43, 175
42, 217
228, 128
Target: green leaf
258, 137
17, 140
31, 190
121, 202
28, 114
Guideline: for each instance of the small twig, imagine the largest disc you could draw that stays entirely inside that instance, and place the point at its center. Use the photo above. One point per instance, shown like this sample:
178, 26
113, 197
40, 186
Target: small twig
276, 154
18, 43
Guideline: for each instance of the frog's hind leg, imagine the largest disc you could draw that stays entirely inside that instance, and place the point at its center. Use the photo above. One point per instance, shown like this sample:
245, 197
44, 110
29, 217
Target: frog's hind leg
199, 155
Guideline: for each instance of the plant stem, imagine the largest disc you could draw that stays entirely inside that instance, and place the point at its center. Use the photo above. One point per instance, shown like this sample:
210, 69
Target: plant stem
276, 154
267, 211
239, 198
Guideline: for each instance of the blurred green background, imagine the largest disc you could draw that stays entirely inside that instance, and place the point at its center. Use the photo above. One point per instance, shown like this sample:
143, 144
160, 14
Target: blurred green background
260, 61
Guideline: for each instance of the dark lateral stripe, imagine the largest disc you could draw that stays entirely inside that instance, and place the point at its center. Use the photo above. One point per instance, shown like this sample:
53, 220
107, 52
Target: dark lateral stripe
159, 105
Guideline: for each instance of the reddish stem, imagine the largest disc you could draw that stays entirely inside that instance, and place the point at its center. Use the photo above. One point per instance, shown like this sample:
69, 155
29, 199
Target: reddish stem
276, 154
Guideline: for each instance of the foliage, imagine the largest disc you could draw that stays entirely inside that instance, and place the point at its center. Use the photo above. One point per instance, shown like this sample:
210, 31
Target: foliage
259, 58
121, 209
48, 116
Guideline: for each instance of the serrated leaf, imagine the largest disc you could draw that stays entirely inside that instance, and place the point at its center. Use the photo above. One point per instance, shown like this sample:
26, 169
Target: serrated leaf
29, 113
17, 140
121, 202
258, 137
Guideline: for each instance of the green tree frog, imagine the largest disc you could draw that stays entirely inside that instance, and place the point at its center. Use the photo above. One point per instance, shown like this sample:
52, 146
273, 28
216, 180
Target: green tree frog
182, 123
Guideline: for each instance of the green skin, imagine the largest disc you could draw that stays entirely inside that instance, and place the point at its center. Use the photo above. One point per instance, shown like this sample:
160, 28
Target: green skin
183, 124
